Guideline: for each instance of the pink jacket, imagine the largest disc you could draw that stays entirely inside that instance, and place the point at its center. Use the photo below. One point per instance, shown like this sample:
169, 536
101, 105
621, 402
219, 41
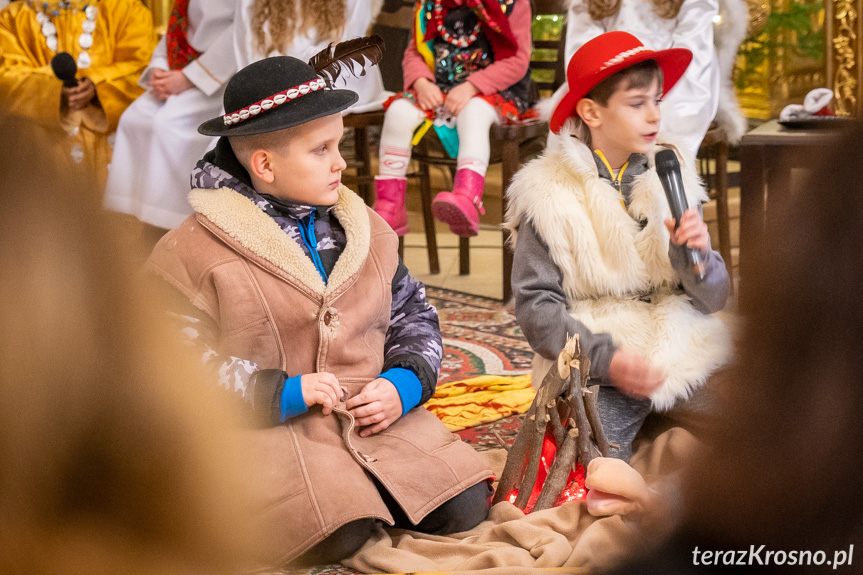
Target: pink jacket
497, 76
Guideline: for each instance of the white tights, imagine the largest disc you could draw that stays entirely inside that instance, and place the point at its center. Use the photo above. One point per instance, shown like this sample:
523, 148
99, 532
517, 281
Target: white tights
403, 117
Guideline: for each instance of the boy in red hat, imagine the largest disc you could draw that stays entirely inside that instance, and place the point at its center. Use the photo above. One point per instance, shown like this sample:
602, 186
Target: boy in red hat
596, 253
293, 291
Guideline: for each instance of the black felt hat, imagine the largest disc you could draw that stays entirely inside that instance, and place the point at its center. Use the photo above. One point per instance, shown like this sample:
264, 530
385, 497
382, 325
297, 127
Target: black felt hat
274, 94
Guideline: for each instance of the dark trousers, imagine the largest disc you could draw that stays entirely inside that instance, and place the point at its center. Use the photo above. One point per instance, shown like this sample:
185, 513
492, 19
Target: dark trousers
623, 417
460, 513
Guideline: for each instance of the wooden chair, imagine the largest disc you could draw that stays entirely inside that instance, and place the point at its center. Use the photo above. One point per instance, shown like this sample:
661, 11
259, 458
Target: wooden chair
714, 147
395, 42
509, 143
729, 30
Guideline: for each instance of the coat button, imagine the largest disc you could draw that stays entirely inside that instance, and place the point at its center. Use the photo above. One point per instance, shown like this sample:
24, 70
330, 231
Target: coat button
331, 317
366, 458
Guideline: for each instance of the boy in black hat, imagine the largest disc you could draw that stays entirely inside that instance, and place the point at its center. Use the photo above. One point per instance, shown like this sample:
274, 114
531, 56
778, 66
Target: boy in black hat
294, 291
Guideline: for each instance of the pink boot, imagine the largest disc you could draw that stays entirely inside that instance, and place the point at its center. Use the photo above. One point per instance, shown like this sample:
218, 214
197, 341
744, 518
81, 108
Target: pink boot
461, 208
390, 203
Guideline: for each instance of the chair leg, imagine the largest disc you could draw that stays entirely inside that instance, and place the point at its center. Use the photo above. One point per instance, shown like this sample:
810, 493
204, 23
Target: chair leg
364, 165
463, 256
428, 219
722, 215
509, 164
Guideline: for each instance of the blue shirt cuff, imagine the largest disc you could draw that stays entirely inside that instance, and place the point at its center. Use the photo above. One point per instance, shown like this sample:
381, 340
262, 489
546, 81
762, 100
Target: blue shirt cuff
291, 402
407, 384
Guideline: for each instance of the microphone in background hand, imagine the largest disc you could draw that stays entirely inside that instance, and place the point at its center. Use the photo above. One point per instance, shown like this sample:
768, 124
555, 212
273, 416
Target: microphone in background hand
65, 69
668, 170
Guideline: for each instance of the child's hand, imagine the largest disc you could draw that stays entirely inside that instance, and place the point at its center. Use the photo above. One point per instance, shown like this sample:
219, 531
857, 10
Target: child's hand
633, 375
78, 97
321, 388
692, 231
429, 95
376, 407
458, 97
168, 83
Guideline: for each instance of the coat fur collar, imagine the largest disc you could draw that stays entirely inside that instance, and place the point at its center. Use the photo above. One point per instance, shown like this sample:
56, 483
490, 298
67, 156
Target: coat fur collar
254, 230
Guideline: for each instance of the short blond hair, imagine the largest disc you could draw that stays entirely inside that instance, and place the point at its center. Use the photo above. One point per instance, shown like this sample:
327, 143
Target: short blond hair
245, 146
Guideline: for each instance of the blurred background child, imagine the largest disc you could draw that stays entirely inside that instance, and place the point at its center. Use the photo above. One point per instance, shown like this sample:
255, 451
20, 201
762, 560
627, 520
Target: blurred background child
110, 40
157, 145
660, 24
466, 63
302, 28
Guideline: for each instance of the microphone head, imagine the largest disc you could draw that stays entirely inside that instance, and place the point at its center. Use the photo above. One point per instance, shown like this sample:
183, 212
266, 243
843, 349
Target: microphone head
666, 161
65, 68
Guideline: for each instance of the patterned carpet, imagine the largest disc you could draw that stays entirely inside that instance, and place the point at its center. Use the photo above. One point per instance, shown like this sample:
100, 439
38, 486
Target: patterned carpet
480, 337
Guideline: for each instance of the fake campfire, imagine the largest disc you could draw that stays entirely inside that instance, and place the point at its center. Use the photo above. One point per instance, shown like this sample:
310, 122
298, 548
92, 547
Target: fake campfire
559, 436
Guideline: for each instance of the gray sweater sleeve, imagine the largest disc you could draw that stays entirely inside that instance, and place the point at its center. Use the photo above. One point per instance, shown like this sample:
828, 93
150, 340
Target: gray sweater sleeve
711, 294
540, 305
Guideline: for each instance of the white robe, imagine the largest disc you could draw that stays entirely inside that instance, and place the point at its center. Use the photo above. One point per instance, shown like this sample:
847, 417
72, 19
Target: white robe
359, 16
158, 143
691, 105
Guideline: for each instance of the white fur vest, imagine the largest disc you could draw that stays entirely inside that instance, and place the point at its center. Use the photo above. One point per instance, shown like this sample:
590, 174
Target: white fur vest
617, 274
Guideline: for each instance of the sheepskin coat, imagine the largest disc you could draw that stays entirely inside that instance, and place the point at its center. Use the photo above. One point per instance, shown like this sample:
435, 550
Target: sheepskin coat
616, 271
314, 473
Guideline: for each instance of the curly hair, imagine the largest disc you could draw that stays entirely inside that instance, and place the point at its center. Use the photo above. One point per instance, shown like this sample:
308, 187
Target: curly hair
601, 9
274, 28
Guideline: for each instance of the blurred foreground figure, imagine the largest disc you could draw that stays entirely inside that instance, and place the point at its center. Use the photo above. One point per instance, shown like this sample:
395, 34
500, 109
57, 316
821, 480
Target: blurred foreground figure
111, 453
110, 41
780, 489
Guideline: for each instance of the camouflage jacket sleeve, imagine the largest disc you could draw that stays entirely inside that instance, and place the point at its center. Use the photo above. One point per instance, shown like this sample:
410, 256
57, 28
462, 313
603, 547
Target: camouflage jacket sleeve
259, 389
232, 373
413, 339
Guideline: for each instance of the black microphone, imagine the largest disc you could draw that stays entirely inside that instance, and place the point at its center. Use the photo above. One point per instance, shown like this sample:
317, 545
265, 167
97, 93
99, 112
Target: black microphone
65, 68
668, 170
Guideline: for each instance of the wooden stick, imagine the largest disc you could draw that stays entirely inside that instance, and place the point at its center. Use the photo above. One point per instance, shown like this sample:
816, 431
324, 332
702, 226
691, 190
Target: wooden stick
500, 439
559, 473
564, 386
557, 426
590, 398
580, 415
532, 470
551, 387
525, 443
516, 459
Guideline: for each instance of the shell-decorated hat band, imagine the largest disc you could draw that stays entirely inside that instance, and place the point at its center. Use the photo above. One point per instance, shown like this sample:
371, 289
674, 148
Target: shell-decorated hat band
275, 100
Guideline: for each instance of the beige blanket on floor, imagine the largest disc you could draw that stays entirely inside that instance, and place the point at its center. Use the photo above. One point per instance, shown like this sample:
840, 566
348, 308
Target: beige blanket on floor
510, 542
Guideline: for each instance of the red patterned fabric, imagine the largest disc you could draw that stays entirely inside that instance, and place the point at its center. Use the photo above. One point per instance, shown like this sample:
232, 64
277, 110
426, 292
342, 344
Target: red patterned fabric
180, 53
492, 19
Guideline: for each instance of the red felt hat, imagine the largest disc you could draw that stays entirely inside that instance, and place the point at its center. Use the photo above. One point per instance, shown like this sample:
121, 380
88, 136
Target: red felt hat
606, 54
